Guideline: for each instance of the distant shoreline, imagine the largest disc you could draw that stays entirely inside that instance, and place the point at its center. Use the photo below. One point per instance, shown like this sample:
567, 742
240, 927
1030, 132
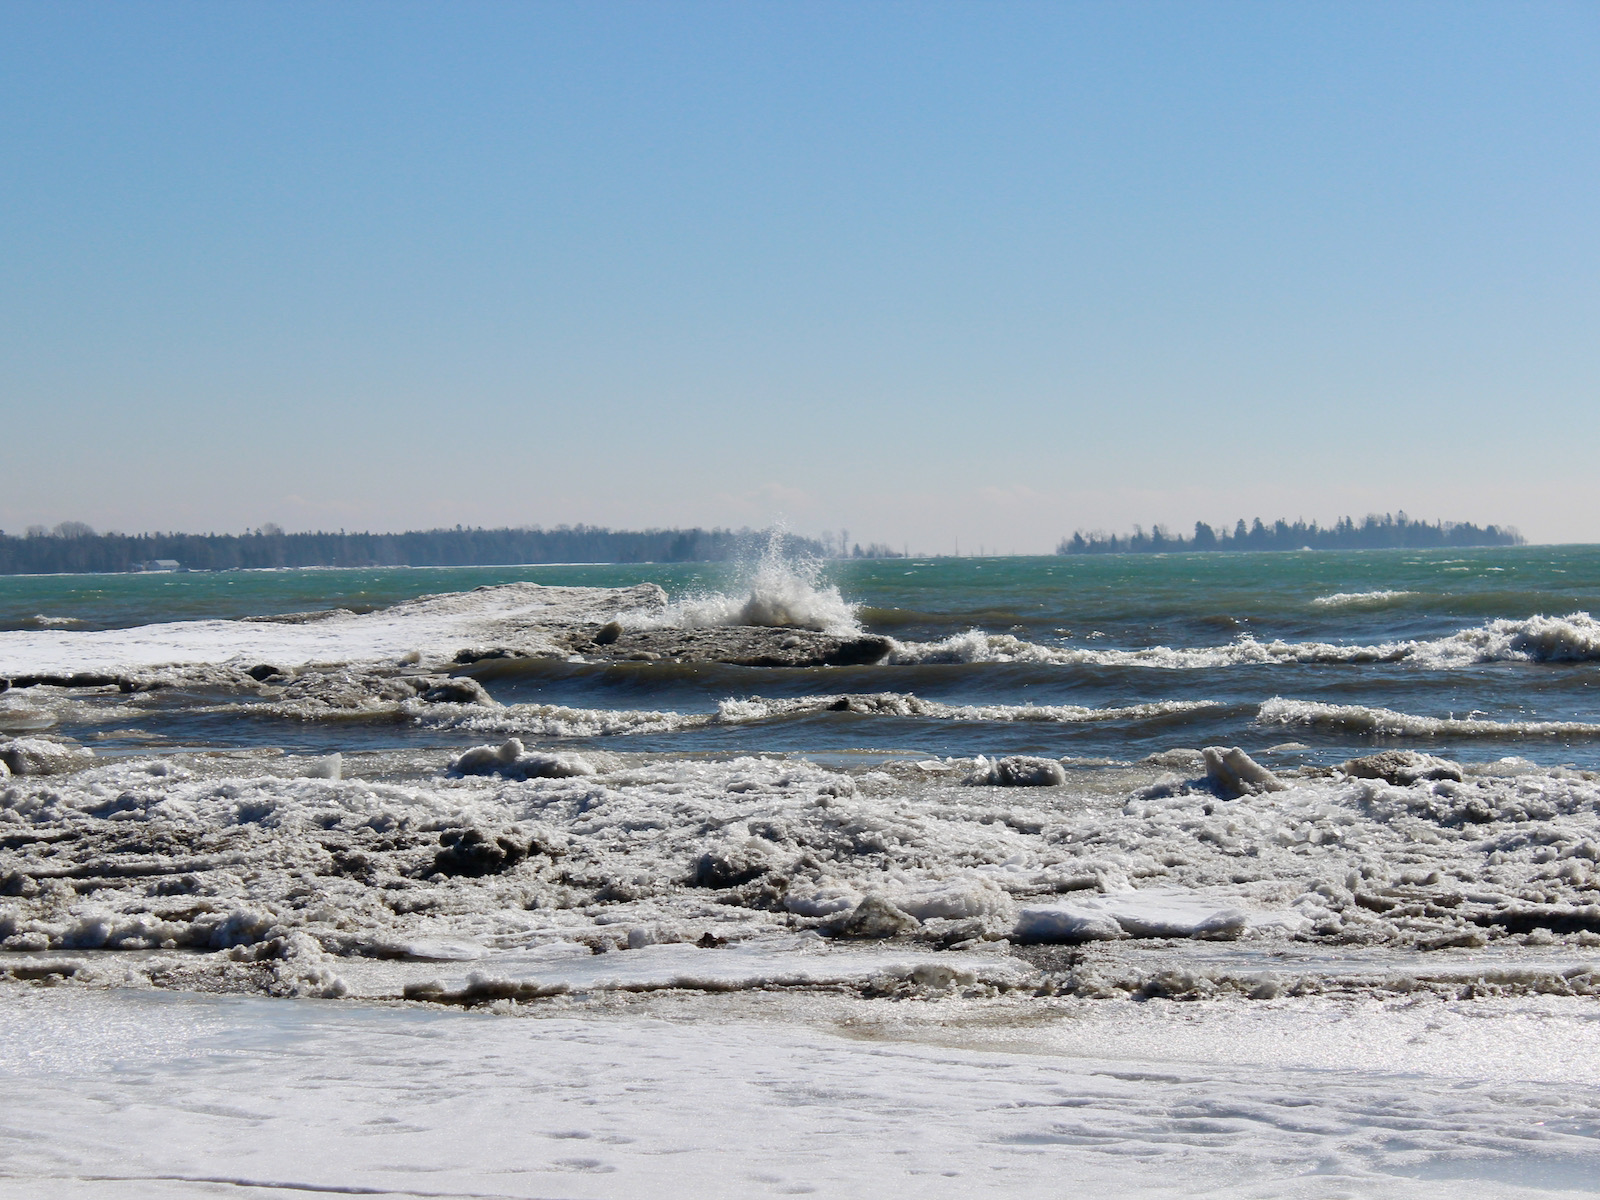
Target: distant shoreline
1388, 532
75, 549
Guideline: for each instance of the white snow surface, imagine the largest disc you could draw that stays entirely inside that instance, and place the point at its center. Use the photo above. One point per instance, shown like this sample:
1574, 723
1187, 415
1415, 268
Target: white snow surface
133, 1094
433, 627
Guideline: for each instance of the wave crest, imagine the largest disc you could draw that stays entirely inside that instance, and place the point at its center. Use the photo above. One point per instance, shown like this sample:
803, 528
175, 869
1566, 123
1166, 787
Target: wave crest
904, 704
778, 591
1573, 638
1376, 599
1386, 722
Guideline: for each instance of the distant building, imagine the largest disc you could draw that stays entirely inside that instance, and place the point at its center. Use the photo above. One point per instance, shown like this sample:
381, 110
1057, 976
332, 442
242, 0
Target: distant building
159, 564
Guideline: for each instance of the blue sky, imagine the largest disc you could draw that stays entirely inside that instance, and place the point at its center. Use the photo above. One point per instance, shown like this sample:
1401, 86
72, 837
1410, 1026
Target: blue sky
981, 271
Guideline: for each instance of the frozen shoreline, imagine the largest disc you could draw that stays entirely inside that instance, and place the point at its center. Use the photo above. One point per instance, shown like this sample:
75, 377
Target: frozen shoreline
663, 937
148, 1094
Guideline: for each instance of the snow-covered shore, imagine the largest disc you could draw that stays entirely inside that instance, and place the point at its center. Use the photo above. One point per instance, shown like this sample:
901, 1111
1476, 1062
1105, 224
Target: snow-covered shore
126, 1094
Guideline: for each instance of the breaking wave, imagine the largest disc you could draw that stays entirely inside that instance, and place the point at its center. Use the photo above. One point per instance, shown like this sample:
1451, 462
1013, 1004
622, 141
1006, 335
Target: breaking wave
1573, 638
976, 646
777, 591
557, 721
1378, 599
549, 720
1384, 722
901, 704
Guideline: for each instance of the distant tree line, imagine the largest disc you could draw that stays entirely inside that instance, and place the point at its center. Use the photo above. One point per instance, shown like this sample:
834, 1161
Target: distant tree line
73, 547
1374, 533
875, 550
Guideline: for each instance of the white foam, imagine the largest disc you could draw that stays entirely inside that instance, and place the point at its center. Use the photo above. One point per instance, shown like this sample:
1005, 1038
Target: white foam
1375, 599
561, 721
1574, 638
903, 704
553, 720
976, 646
777, 591
1360, 719
550, 720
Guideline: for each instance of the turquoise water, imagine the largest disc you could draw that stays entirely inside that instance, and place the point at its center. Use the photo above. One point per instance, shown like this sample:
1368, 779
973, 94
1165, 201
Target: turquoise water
1309, 656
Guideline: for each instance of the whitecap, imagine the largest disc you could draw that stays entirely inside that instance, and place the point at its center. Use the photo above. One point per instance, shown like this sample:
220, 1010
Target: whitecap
777, 591
1375, 599
1385, 722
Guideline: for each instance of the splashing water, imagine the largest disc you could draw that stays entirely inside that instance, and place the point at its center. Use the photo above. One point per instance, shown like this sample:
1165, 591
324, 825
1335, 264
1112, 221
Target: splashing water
778, 590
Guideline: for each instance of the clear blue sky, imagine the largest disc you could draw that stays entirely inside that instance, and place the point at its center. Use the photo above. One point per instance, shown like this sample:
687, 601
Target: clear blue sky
989, 271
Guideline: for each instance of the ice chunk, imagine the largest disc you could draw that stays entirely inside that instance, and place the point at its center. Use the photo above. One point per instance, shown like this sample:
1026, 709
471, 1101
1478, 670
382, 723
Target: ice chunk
330, 766
458, 690
1232, 773
509, 760
1017, 770
956, 899
1154, 913
874, 917
1063, 923
39, 756
486, 760
1402, 767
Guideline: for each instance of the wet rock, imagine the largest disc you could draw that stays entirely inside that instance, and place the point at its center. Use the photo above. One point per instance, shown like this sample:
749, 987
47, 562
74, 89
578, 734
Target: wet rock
79, 679
608, 633
857, 652
263, 672
466, 657
1017, 770
874, 917
737, 645
473, 853
455, 691
299, 618
1402, 767
1232, 773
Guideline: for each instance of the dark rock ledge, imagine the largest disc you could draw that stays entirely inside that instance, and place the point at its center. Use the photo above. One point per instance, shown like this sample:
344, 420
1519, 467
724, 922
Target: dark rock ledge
740, 645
